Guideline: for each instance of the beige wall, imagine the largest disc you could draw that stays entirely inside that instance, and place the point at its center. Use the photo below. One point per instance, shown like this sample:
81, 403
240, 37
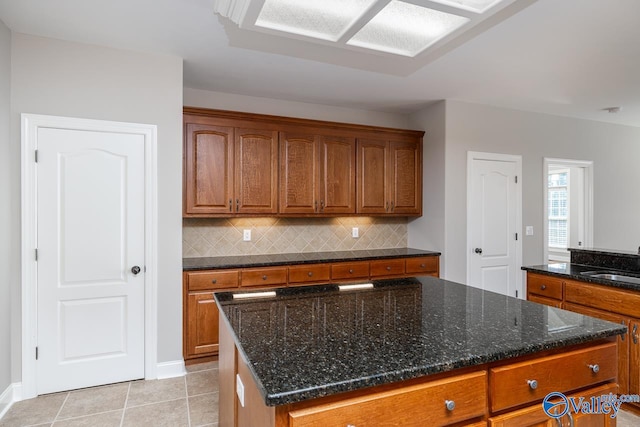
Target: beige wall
69, 79
277, 107
614, 149
9, 220
220, 237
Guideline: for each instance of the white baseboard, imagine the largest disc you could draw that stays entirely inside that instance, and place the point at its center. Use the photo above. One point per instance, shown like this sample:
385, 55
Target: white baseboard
171, 369
12, 394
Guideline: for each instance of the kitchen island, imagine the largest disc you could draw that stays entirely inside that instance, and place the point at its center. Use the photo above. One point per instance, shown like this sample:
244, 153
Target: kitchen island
404, 352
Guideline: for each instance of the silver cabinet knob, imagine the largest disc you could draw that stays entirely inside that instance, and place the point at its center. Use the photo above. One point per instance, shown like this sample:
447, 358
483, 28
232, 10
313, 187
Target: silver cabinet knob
595, 368
264, 277
543, 287
478, 251
310, 273
533, 384
450, 405
214, 281
135, 270
388, 268
351, 271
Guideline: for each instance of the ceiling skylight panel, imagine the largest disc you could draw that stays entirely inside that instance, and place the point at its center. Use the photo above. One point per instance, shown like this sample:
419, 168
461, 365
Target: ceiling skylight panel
405, 29
325, 19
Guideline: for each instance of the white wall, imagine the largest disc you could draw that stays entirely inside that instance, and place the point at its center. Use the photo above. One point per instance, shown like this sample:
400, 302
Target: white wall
614, 149
277, 107
69, 79
9, 220
427, 232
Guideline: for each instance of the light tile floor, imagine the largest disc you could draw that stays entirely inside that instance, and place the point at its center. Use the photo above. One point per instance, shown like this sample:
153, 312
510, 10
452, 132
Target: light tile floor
189, 401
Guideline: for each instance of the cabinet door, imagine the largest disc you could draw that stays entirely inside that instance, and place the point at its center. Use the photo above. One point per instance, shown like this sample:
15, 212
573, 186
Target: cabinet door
372, 191
337, 175
256, 171
634, 356
208, 177
405, 178
623, 341
202, 324
298, 173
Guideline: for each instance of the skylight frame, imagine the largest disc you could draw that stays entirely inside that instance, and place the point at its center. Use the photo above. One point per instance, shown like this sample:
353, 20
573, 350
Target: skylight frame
245, 13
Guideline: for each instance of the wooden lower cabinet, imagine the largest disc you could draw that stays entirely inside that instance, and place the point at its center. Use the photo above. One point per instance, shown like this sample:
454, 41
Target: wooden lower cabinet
422, 404
534, 416
604, 302
200, 313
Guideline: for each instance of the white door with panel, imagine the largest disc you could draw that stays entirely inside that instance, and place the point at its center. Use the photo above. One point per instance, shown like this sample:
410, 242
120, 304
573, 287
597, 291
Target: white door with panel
493, 223
91, 256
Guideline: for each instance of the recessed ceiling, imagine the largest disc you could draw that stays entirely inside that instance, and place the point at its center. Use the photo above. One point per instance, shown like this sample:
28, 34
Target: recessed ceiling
569, 58
407, 28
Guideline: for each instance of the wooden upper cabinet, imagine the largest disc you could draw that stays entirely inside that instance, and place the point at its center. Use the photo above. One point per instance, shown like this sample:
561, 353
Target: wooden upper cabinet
229, 170
389, 177
298, 173
208, 169
372, 191
405, 180
337, 190
317, 174
250, 164
256, 171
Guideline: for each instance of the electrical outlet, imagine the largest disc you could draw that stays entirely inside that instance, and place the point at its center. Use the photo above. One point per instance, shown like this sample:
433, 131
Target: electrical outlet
529, 230
355, 232
246, 235
240, 390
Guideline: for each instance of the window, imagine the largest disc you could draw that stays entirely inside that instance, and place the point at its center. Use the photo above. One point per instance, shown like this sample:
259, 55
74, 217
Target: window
558, 214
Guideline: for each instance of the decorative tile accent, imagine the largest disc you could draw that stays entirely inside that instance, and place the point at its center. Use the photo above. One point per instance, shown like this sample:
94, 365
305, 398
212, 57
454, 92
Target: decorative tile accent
207, 237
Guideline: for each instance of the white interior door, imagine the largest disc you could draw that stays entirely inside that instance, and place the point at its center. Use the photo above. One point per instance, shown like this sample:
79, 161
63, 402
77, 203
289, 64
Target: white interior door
493, 220
90, 239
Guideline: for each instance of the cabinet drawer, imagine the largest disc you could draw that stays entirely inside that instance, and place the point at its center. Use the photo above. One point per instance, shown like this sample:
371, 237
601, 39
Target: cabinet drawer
389, 267
546, 301
350, 270
264, 276
423, 265
416, 405
203, 280
512, 385
309, 273
603, 297
546, 286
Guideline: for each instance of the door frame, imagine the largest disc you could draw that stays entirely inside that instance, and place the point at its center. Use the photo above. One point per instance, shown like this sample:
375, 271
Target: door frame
517, 159
587, 165
29, 142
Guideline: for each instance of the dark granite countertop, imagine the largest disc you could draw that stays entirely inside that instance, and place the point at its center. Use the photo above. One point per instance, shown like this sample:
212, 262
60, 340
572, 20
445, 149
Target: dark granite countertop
244, 261
602, 251
316, 341
574, 271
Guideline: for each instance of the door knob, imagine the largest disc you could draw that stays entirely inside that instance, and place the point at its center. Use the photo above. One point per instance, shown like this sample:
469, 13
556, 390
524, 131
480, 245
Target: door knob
478, 251
135, 270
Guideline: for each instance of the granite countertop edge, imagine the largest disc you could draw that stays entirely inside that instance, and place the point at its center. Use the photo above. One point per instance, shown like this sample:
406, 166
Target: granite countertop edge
417, 372
573, 271
272, 260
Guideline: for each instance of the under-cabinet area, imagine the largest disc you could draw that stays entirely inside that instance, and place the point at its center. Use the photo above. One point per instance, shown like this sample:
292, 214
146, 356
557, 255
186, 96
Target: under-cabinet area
241, 164
200, 337
409, 352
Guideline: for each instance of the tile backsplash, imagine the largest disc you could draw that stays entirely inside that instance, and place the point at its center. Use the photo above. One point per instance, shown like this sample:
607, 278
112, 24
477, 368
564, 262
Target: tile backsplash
206, 237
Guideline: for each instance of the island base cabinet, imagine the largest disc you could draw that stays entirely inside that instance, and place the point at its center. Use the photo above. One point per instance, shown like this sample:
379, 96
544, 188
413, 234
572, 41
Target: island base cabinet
417, 405
534, 416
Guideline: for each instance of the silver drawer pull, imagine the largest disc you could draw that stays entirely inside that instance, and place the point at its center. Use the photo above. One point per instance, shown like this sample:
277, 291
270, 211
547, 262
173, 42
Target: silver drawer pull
543, 287
388, 268
595, 368
450, 405
351, 271
264, 277
634, 332
214, 281
423, 265
310, 273
533, 384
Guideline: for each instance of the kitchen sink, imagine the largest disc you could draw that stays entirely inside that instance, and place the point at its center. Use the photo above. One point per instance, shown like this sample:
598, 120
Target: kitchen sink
609, 275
